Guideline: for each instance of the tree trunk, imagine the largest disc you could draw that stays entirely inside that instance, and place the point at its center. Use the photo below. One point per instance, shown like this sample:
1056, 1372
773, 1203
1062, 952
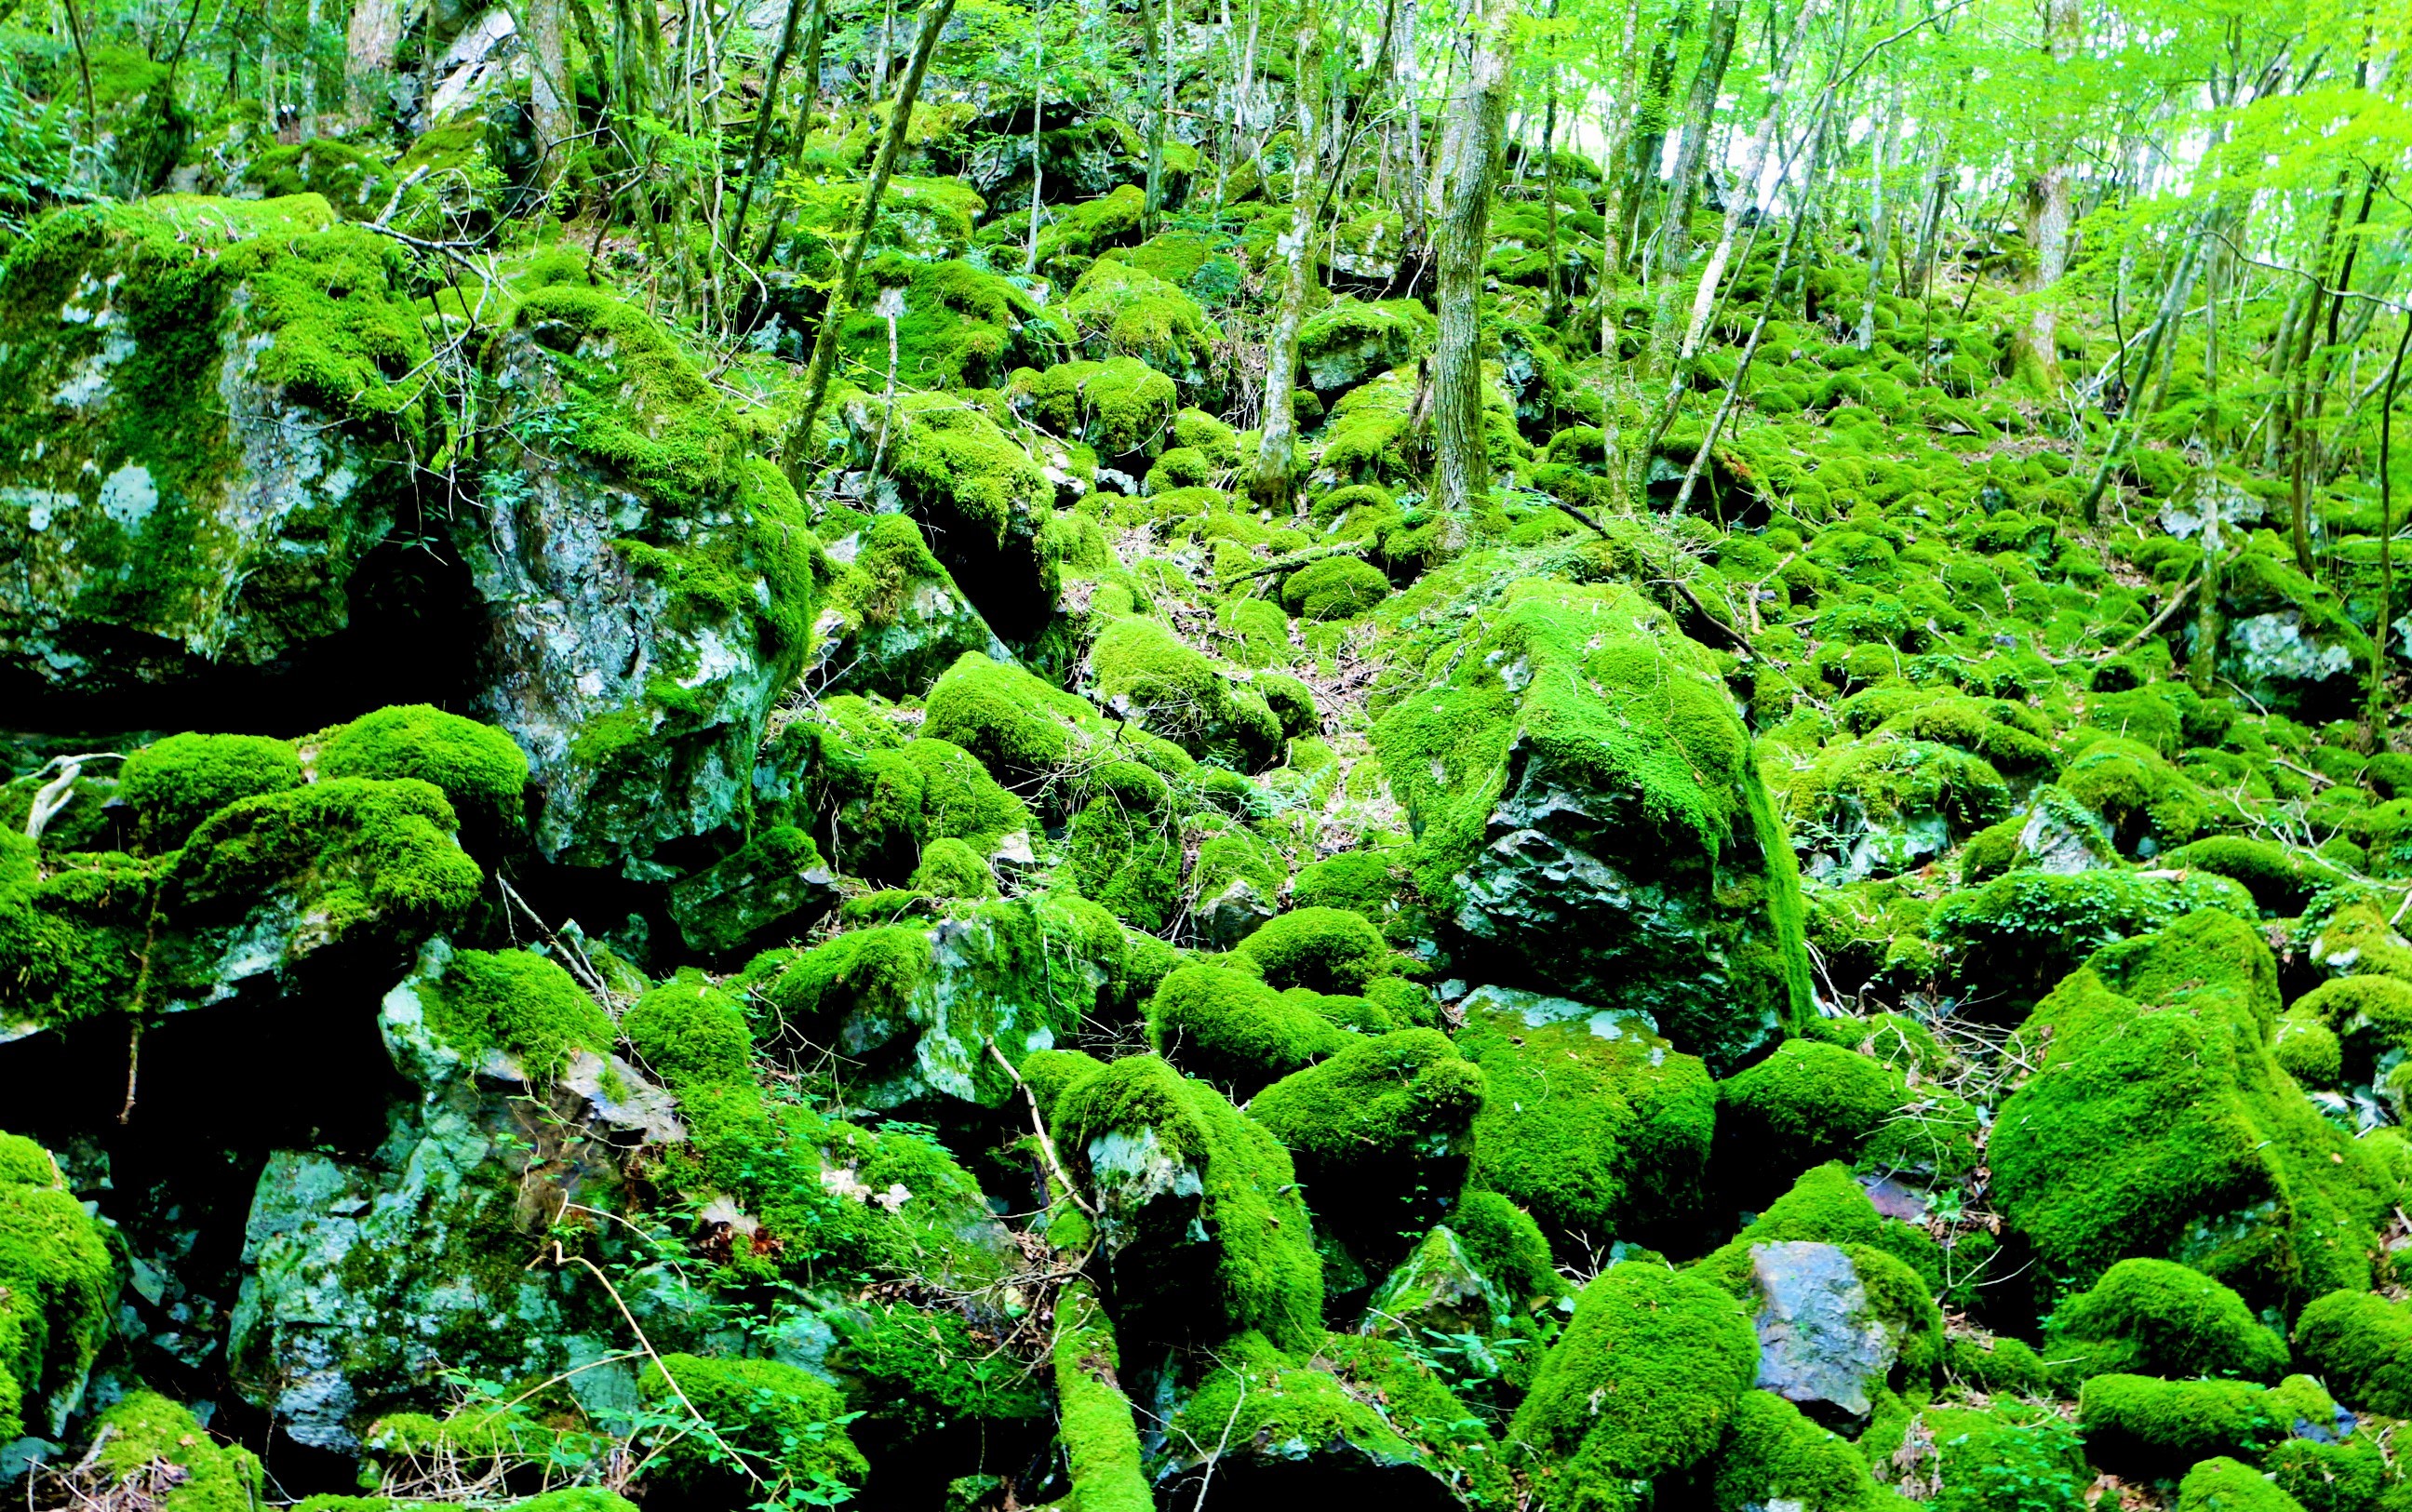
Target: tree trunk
1038, 141
1648, 138
797, 457
2035, 353
1879, 230
1674, 252
1159, 70
1269, 484
762, 119
1469, 160
2386, 535
548, 93
369, 43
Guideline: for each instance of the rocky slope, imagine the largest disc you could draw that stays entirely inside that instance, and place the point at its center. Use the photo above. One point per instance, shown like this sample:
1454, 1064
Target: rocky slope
540, 963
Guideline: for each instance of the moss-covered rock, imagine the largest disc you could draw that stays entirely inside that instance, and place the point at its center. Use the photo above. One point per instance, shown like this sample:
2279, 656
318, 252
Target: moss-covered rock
748, 1426
1590, 1120
1199, 1211
1648, 1374
2361, 1345
2159, 1125
1352, 1411
775, 882
147, 1432
58, 1287
1120, 310
1235, 1030
1587, 813
2155, 1317
1178, 694
1347, 341
215, 400
648, 585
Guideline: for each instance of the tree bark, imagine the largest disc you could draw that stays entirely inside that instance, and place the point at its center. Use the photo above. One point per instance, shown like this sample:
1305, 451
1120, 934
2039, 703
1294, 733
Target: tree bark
1469, 160
369, 43
797, 459
762, 120
1269, 484
548, 92
2036, 351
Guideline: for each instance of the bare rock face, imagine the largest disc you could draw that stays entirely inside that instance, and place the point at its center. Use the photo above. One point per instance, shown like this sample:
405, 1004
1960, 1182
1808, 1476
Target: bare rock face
1823, 1343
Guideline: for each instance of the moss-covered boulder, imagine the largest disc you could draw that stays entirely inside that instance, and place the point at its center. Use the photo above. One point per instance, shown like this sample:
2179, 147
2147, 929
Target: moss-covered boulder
1199, 1214
1590, 1120
2156, 1317
1120, 310
1642, 1384
58, 1286
1350, 341
2361, 1345
1587, 812
916, 1008
1350, 1412
1774, 1454
981, 499
775, 1428
647, 584
1379, 1132
1180, 694
363, 1276
775, 882
2158, 1124
892, 618
1977, 1460
214, 405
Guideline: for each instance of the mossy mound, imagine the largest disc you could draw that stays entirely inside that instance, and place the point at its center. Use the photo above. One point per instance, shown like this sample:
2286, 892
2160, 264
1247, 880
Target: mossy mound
58, 1286
1200, 1216
2155, 1317
2160, 1111
1669, 867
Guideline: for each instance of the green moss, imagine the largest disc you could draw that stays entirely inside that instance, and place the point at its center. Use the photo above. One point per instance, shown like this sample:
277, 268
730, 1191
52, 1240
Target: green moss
2002, 1460
361, 858
2361, 1345
1235, 1030
1336, 588
2137, 1424
58, 1285
1352, 1403
1997, 1366
2155, 1317
477, 767
1202, 1215
1124, 845
1885, 805
1049, 1074
950, 869
2223, 1485
1771, 1453
1644, 1382
784, 1428
1120, 310
520, 1004
1015, 724
1368, 1125
2158, 1124
2021, 932
924, 1371
1589, 1120
690, 1032
1122, 406
773, 883
175, 784
1327, 950
1099, 1433
1292, 701
1827, 1205
147, 1429
963, 326
1178, 694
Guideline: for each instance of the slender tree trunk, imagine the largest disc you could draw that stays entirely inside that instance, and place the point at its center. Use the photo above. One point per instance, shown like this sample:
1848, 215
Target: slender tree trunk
1648, 134
548, 93
1674, 252
2316, 291
2385, 536
1414, 233
1269, 484
814, 29
1879, 229
762, 120
1617, 124
1159, 74
83, 75
1037, 142
1554, 302
1469, 159
2037, 354
799, 459
2164, 323
369, 43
